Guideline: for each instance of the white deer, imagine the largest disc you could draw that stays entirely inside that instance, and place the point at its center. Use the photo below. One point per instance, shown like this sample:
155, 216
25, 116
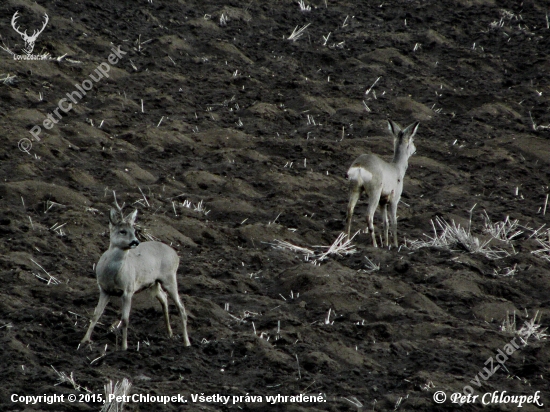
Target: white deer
128, 267
29, 40
382, 181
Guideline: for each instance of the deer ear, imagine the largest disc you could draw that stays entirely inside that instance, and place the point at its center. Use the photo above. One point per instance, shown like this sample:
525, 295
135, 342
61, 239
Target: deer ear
411, 130
114, 218
131, 218
394, 128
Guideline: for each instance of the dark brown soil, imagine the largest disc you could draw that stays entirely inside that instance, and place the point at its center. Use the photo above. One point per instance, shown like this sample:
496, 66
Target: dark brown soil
262, 130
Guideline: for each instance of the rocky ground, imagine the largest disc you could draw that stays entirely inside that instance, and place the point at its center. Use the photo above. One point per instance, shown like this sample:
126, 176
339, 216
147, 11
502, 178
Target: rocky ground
228, 137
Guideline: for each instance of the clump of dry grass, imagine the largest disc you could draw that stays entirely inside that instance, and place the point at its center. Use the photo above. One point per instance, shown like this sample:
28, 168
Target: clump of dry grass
9, 80
50, 280
543, 239
370, 266
120, 388
284, 245
340, 247
528, 329
62, 377
452, 235
297, 32
143, 231
504, 231
505, 272
303, 6
186, 204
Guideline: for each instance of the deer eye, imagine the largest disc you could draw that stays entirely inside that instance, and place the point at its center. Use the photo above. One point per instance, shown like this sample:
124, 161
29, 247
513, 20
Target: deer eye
122, 232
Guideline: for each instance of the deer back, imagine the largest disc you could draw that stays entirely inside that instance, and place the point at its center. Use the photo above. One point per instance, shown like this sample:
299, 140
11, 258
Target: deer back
152, 262
381, 172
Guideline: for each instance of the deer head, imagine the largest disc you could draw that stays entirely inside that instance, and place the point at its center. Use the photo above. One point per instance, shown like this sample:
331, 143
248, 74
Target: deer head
29, 40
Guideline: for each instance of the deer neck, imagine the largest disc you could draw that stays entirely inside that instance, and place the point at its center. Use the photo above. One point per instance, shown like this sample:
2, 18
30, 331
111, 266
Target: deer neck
401, 160
112, 271
115, 261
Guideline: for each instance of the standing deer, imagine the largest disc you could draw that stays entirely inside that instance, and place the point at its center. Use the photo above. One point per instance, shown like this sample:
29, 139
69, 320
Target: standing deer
129, 267
29, 40
382, 181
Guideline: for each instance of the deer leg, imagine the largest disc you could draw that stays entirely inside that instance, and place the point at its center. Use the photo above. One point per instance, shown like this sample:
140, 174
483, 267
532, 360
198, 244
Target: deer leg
370, 223
374, 199
385, 222
393, 220
354, 191
126, 306
103, 300
161, 297
172, 290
